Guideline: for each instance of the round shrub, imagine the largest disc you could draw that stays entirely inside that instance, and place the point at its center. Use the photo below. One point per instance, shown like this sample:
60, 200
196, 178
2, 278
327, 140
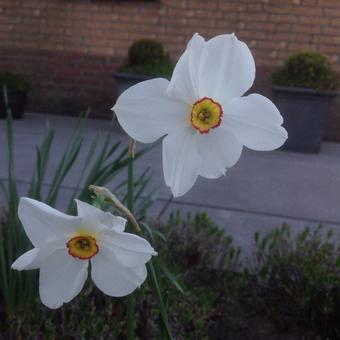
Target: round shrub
14, 81
307, 69
143, 51
147, 57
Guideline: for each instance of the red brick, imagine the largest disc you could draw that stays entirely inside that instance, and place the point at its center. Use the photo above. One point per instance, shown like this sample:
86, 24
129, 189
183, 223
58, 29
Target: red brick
279, 37
321, 21
330, 31
284, 28
309, 2
309, 11
331, 12
306, 38
261, 26
255, 17
232, 7
199, 4
335, 22
329, 3
327, 39
283, 19
307, 29
328, 49
274, 9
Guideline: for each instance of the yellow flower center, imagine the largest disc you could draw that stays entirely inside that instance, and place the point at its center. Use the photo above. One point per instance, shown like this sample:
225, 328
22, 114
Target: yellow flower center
206, 114
82, 247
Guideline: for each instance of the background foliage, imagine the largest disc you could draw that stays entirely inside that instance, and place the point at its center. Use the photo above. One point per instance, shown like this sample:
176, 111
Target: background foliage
308, 69
147, 57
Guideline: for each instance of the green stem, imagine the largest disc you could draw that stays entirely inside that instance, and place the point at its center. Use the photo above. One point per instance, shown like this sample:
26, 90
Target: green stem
157, 290
12, 232
130, 317
151, 269
130, 197
130, 200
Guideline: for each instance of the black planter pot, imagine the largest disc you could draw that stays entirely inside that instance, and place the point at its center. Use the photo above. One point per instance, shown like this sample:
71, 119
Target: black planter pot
126, 80
305, 113
17, 102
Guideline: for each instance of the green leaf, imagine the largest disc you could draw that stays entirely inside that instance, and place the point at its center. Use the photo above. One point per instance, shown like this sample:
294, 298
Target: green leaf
171, 277
158, 294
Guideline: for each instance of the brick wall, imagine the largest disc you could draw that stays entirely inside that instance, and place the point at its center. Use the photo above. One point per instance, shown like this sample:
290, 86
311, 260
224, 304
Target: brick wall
70, 48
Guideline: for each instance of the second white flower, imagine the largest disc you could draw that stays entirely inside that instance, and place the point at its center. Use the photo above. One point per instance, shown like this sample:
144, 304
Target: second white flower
64, 246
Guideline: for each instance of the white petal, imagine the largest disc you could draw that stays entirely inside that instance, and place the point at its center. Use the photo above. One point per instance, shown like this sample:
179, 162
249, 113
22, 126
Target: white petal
141, 272
227, 68
184, 81
26, 260
129, 249
219, 149
146, 113
256, 122
118, 223
111, 277
33, 258
94, 219
181, 161
61, 278
43, 223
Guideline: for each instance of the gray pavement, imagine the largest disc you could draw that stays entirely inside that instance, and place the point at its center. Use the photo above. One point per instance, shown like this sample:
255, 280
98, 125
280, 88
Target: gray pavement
262, 191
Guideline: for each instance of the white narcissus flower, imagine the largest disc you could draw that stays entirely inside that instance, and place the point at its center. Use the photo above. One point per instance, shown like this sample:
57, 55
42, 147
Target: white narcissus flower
202, 112
64, 246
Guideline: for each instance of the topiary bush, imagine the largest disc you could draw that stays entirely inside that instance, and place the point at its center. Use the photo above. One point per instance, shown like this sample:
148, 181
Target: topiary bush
147, 57
143, 51
14, 81
307, 69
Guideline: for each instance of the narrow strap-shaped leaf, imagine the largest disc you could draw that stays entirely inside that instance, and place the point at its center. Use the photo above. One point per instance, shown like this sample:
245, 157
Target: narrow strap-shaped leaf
88, 161
158, 295
171, 277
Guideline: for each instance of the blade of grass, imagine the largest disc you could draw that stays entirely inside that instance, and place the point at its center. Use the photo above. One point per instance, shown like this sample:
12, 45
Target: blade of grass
171, 277
130, 202
88, 161
65, 165
158, 294
43, 154
13, 199
153, 232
